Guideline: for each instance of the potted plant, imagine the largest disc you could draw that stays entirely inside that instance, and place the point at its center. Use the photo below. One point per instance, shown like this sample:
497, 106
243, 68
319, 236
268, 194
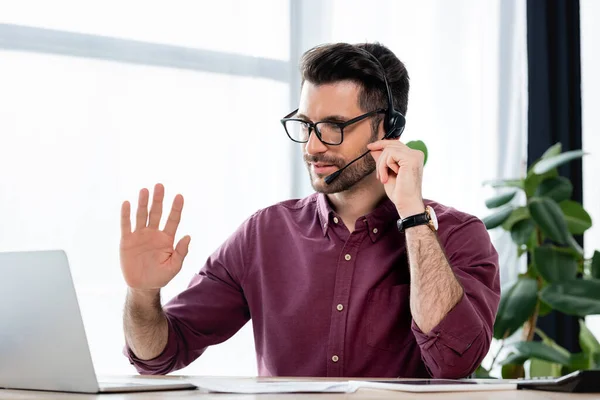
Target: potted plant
542, 220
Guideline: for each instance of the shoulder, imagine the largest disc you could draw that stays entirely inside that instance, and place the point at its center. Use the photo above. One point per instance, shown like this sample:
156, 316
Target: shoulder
455, 224
288, 209
450, 216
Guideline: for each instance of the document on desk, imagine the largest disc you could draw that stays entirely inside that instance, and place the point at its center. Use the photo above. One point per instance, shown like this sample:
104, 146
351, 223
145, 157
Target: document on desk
245, 385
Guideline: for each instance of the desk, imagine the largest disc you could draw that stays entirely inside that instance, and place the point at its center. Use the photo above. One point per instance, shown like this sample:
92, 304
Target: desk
361, 394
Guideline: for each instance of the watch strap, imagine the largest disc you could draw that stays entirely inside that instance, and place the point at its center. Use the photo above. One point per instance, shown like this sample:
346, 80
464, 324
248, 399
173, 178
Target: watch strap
413, 220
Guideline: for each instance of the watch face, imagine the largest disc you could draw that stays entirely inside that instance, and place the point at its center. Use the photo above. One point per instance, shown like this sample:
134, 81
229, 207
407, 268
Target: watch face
432, 217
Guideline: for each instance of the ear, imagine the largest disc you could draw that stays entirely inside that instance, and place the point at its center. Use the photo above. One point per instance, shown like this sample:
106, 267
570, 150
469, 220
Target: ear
380, 130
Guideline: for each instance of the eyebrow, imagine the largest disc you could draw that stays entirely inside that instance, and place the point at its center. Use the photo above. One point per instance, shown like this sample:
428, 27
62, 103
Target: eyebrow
329, 118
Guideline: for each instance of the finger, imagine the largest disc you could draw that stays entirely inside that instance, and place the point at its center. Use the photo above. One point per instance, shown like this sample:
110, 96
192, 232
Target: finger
157, 206
142, 211
378, 145
125, 218
383, 144
393, 164
181, 250
382, 168
376, 154
174, 216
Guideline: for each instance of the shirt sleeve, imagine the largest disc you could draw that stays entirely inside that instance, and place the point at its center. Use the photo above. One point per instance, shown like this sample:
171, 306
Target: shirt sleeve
458, 344
211, 310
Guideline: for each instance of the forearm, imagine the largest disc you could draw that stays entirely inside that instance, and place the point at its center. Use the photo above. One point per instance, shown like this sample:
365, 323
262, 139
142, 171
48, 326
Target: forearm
434, 288
145, 324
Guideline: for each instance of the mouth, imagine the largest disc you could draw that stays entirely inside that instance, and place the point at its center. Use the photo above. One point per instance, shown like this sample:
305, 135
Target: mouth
322, 169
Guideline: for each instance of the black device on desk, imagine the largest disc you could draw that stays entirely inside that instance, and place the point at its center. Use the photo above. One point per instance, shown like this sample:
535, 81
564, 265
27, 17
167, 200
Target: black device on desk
577, 382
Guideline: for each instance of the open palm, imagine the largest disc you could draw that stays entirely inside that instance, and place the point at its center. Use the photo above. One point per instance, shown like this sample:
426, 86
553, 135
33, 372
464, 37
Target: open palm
148, 258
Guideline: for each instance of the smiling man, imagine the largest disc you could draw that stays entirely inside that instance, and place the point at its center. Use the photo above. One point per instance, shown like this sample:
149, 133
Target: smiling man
362, 278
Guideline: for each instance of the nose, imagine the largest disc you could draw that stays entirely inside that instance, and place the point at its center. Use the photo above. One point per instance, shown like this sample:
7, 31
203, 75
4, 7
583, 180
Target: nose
314, 145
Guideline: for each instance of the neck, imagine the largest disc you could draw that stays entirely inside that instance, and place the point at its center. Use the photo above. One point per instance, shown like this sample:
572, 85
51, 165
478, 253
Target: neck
360, 200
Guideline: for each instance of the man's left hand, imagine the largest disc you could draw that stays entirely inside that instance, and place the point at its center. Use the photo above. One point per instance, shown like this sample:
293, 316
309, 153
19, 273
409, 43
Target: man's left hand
400, 169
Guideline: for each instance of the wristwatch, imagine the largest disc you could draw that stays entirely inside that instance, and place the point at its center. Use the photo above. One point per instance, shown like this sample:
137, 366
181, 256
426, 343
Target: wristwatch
427, 218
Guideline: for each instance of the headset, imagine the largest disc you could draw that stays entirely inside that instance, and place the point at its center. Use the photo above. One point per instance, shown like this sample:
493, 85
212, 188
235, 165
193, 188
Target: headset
393, 123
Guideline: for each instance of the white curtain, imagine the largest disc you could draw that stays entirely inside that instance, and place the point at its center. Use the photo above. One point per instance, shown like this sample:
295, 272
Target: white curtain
590, 103
84, 126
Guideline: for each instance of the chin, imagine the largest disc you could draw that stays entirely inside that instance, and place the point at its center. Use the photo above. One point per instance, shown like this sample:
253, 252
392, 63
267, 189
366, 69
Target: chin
318, 183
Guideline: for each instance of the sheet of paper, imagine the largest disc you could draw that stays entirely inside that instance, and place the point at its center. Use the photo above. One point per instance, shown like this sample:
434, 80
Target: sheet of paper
240, 385
427, 385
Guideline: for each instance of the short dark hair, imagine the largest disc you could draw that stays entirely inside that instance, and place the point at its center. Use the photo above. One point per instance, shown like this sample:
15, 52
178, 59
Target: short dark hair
336, 62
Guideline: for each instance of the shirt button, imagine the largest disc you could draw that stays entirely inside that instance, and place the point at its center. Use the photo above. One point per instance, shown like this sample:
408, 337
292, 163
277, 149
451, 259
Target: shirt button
340, 307
336, 220
375, 230
335, 358
348, 257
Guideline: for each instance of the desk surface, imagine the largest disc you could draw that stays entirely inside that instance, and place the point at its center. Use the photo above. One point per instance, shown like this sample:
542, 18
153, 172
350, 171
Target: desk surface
360, 394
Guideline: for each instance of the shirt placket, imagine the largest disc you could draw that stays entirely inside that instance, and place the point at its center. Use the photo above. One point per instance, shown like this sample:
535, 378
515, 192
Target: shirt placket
339, 311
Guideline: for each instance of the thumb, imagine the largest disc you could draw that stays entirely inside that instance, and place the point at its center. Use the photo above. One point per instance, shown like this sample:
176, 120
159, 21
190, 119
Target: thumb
182, 248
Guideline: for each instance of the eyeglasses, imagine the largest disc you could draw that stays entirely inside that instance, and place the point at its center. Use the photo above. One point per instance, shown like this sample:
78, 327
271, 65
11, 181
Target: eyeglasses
331, 133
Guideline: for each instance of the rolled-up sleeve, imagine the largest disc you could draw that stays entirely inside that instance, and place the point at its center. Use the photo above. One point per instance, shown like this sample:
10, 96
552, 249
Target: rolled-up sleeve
211, 310
457, 345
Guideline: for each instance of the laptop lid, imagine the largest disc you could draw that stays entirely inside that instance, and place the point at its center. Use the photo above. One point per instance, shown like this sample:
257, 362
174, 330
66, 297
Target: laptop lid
42, 338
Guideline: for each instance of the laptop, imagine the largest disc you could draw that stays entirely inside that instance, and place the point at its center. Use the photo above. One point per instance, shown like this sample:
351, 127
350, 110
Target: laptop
43, 345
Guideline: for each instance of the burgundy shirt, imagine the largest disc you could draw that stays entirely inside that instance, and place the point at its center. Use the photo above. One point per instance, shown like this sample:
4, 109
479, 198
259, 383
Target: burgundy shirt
327, 302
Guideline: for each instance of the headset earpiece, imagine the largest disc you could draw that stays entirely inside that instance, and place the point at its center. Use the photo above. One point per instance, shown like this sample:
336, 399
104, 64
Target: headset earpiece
394, 125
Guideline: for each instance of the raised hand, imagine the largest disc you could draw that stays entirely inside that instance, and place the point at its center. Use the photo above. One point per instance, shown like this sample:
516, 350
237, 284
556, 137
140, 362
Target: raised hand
400, 170
148, 259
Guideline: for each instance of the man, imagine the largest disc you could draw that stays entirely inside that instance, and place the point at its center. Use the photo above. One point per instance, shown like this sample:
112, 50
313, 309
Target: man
333, 286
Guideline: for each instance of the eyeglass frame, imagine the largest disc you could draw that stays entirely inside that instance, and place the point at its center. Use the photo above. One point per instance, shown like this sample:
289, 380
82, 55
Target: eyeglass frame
312, 126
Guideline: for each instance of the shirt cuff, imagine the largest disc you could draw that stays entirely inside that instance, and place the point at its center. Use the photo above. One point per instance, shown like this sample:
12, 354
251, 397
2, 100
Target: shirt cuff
160, 364
458, 330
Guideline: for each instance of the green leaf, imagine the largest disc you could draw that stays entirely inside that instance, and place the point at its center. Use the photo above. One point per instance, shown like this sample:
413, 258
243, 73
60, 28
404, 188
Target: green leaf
514, 359
521, 250
595, 272
517, 215
516, 305
482, 373
554, 265
588, 342
574, 245
500, 183
496, 219
500, 200
541, 351
578, 220
533, 181
548, 216
550, 163
544, 368
419, 145
544, 309
521, 231
579, 297
579, 361
512, 371
558, 189
552, 151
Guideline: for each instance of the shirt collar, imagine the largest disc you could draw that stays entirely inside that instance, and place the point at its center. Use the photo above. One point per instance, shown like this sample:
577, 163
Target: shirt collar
377, 221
